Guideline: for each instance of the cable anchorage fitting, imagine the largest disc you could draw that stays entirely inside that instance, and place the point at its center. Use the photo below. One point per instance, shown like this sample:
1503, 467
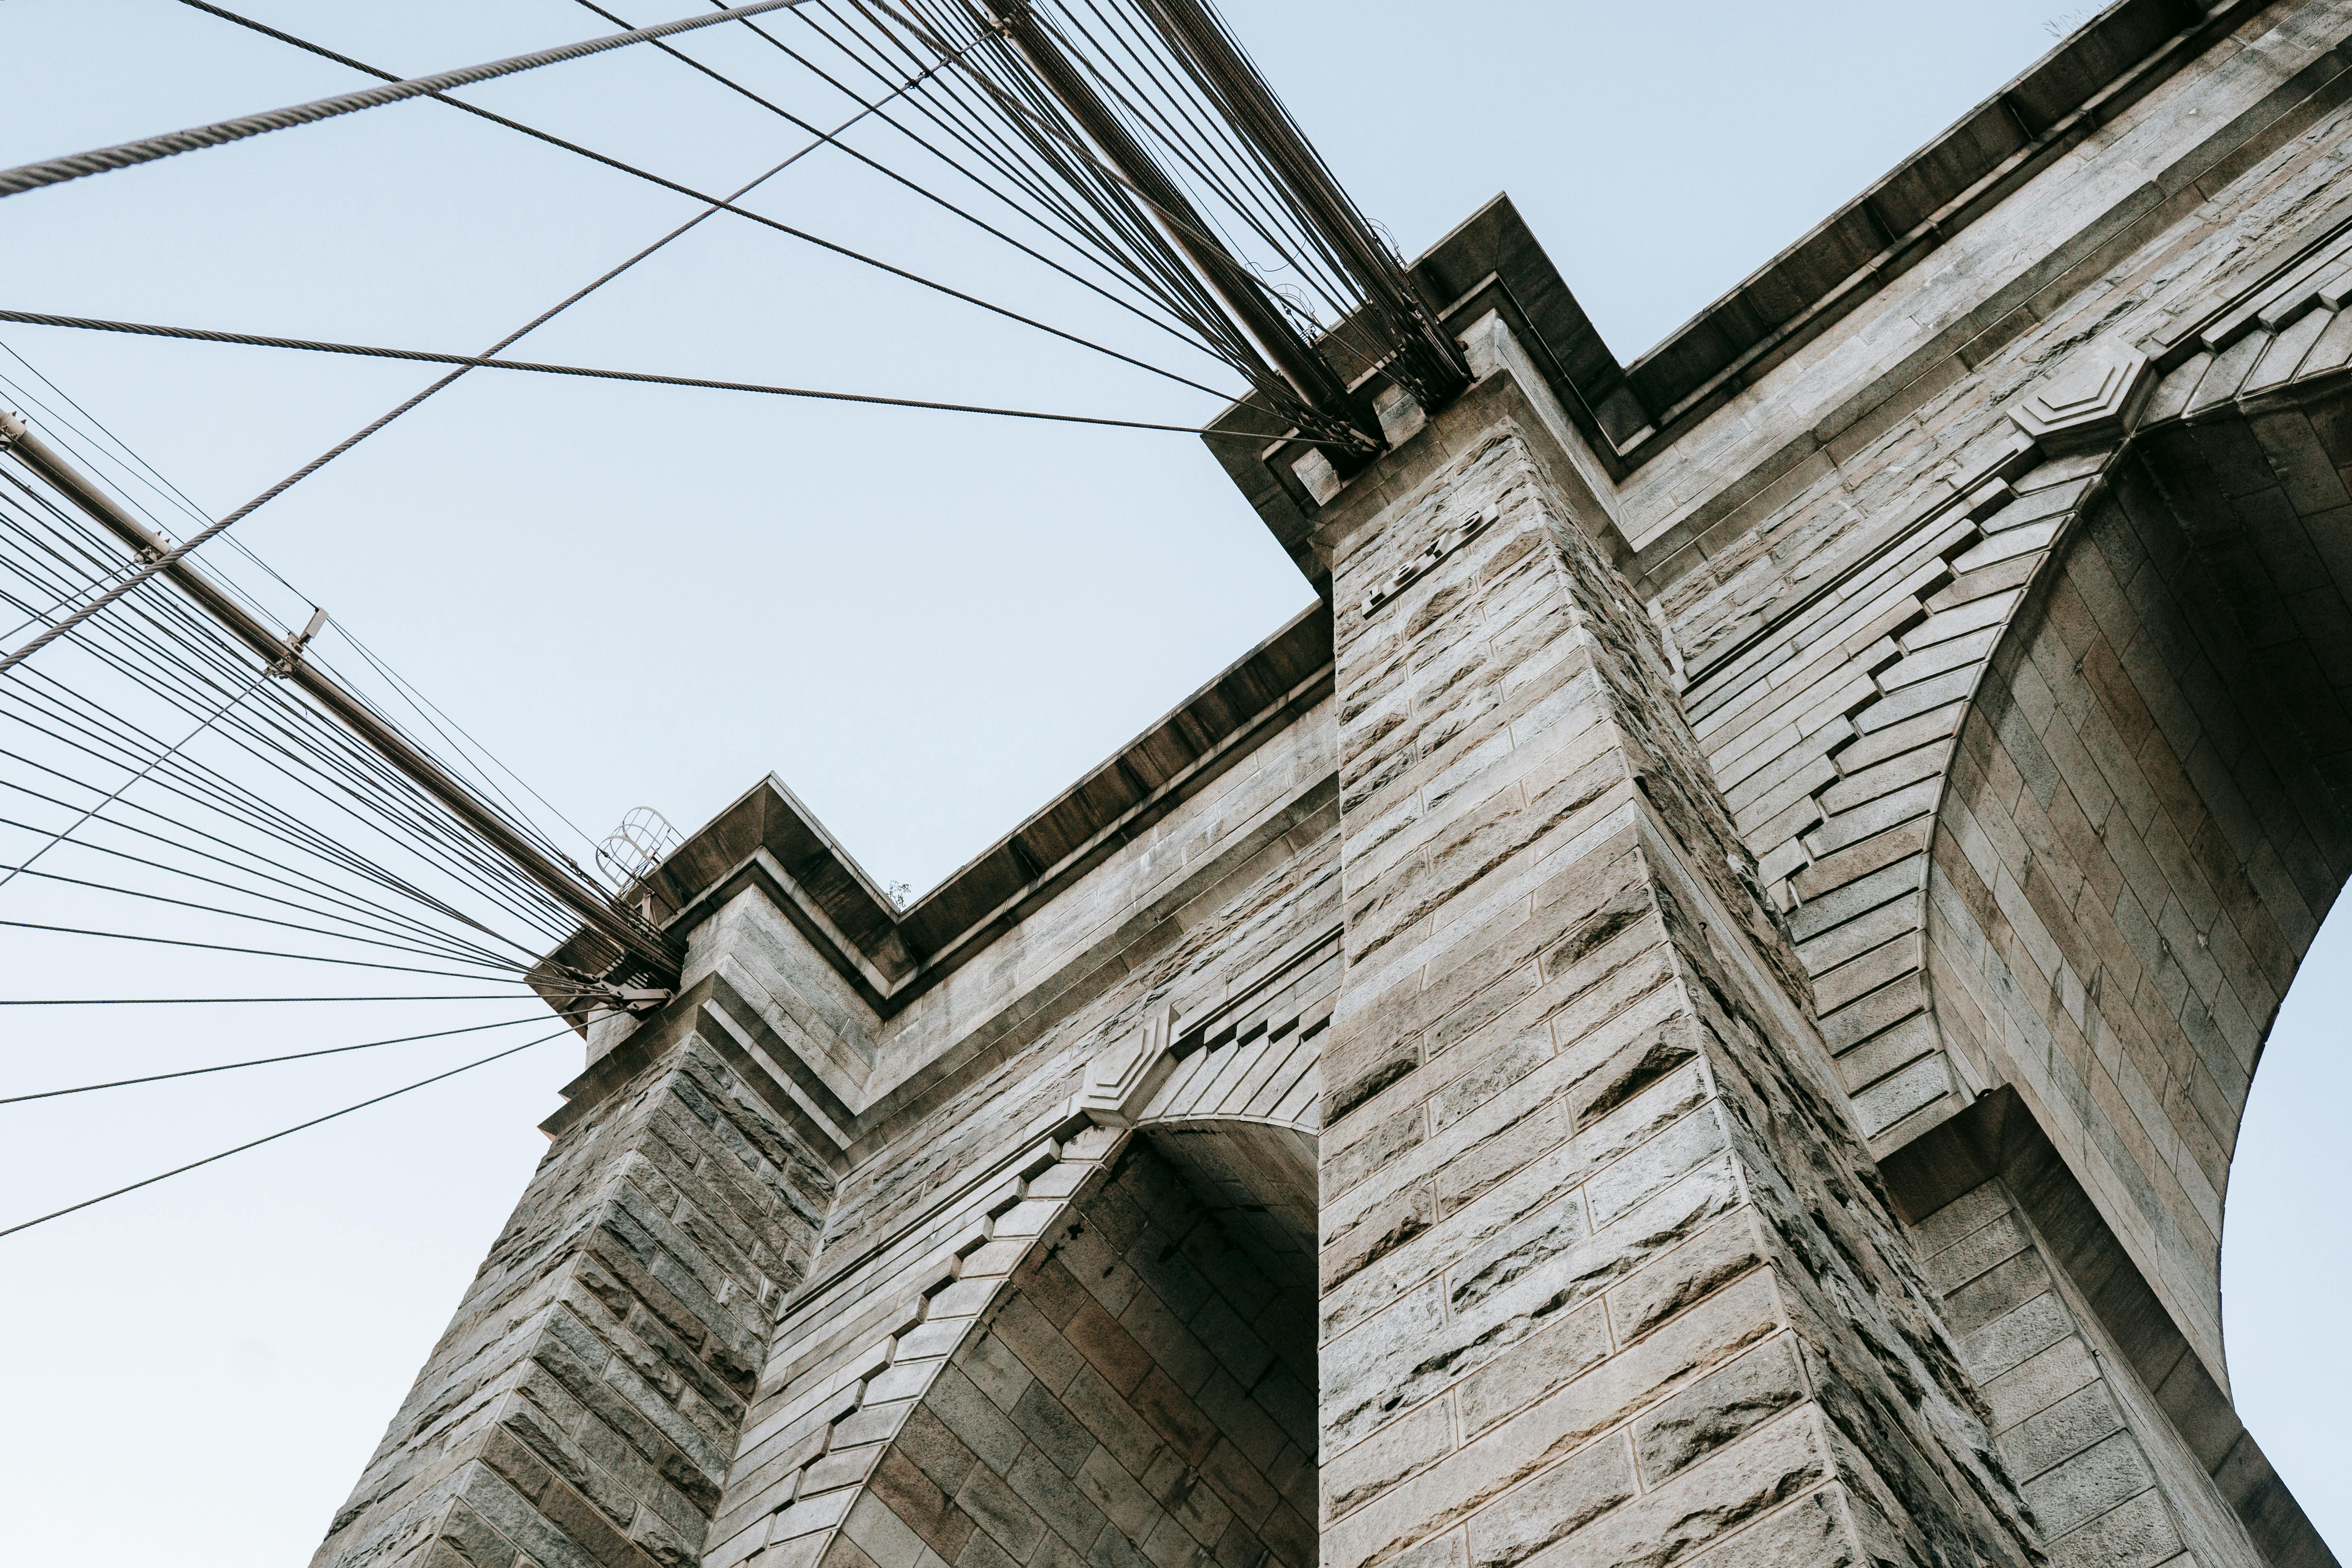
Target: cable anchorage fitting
638, 999
12, 428
282, 668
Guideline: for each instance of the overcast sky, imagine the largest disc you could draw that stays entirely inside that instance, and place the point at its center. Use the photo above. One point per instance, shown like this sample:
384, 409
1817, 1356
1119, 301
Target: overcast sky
926, 624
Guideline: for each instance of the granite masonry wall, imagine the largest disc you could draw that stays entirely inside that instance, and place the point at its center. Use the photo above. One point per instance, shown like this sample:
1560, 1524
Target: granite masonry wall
2108, 1476
1695, 1010
1607, 1274
583, 1407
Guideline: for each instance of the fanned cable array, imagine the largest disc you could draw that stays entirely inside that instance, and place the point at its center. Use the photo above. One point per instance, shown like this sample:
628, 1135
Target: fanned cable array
157, 758
194, 761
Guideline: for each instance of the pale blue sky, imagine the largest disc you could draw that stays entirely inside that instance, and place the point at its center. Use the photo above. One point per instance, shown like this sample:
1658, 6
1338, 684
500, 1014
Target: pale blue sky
927, 626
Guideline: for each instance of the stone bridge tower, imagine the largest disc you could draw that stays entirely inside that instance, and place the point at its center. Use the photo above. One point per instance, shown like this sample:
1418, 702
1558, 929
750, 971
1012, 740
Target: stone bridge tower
1695, 1010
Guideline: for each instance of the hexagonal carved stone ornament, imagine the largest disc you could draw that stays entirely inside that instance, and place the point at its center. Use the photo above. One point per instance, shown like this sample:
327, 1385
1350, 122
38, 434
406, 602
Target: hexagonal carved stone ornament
2091, 400
1123, 1077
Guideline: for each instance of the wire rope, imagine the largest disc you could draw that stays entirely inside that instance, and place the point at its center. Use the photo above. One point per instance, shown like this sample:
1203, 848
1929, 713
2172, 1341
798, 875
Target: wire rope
130, 154
267, 1061
481, 362
273, 1137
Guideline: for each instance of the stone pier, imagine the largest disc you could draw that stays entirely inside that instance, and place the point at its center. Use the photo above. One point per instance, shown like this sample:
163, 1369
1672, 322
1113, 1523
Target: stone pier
1692, 1009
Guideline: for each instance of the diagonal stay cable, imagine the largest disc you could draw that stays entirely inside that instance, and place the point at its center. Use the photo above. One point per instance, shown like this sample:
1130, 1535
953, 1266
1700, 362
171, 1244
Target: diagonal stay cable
465, 361
491, 361
242, 1001
159, 758
269, 1061
130, 154
887, 173
282, 1133
485, 959
250, 952
723, 204
173, 556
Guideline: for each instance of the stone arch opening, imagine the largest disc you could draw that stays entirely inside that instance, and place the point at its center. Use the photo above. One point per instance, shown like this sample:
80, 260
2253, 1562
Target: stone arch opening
2146, 814
1133, 1393
2145, 818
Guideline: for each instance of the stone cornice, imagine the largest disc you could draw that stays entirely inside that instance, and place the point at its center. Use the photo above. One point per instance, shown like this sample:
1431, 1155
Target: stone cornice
1632, 413
769, 837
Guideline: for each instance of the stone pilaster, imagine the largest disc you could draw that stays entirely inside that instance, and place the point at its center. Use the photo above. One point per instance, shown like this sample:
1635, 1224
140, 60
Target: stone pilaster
581, 1410
1607, 1275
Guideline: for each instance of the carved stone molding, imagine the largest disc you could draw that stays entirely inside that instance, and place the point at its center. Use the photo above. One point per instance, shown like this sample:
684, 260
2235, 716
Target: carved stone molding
2092, 400
1123, 1077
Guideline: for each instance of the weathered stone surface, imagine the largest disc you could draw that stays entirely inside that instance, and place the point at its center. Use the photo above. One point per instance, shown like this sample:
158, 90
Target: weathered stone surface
1423, 1103
582, 1404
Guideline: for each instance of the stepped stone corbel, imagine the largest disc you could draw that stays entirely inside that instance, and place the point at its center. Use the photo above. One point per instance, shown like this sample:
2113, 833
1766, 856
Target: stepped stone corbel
1123, 1077
2092, 400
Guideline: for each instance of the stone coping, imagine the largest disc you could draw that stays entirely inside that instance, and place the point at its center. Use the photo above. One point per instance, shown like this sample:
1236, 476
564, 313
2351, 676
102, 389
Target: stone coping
1631, 412
890, 955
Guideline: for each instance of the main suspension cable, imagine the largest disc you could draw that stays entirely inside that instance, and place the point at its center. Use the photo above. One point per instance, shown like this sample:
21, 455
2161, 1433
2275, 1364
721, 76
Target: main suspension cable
130, 154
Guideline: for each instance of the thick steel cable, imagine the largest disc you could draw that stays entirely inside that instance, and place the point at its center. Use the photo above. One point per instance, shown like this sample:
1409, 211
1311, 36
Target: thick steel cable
269, 1061
1076, 230
204, 535
434, 715
892, 175
411, 932
467, 362
283, 1132
239, 804
1148, 102
130, 154
273, 821
218, 793
1042, 123
271, 818
211, 791
280, 900
722, 203
408, 948
412, 927
225, 799
400, 926
206, 638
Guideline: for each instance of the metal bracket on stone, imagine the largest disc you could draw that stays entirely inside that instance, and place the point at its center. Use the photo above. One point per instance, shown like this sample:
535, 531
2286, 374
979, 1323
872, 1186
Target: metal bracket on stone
2092, 400
1122, 1078
1444, 545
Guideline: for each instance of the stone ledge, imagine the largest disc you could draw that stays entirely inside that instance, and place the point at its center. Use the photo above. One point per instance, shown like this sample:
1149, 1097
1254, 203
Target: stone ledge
889, 956
1632, 412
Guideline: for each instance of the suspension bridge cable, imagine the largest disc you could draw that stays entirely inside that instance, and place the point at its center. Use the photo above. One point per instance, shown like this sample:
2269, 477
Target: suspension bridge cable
239, 1001
889, 173
726, 205
414, 950
130, 154
62, 834
250, 952
282, 1133
467, 362
177, 552
278, 899
224, 795
483, 362
268, 1061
